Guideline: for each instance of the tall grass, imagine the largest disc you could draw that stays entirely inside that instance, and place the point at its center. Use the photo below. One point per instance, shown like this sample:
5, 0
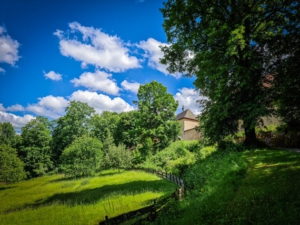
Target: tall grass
58, 200
259, 186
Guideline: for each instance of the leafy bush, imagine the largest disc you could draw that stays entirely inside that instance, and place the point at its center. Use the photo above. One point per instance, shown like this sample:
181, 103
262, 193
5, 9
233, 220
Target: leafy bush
83, 157
118, 157
11, 167
176, 157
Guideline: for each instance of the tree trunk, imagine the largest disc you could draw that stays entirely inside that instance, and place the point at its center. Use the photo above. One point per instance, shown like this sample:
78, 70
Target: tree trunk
250, 136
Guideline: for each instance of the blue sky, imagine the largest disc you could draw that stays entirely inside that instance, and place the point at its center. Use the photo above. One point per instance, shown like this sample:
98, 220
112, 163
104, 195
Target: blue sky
97, 51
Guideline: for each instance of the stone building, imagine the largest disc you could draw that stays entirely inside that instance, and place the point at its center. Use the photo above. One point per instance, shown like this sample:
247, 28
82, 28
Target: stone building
189, 123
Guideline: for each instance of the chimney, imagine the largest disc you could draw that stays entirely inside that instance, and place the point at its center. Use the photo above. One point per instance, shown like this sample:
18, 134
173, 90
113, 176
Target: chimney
182, 108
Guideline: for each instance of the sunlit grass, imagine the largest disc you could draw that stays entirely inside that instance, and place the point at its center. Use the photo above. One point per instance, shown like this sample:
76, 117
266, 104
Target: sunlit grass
58, 200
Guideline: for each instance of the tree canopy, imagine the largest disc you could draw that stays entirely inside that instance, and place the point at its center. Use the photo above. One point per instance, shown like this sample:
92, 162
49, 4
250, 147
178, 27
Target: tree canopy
224, 44
7, 133
75, 123
156, 112
35, 148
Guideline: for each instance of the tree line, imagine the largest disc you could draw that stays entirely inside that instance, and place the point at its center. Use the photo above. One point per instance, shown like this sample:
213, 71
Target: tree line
82, 141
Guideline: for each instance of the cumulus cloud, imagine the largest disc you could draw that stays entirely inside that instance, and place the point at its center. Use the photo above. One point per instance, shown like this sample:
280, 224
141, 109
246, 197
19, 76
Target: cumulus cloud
49, 106
2, 70
188, 97
16, 107
2, 107
52, 75
16, 121
133, 87
153, 54
8, 48
101, 102
96, 48
98, 81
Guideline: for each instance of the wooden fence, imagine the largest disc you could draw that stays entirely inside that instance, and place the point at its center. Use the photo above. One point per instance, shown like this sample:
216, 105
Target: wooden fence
151, 210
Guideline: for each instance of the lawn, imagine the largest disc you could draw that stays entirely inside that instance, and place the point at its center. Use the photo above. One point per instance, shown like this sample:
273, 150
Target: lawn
58, 200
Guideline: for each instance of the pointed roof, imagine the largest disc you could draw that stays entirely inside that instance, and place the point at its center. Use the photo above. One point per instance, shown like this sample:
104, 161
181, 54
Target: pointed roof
186, 114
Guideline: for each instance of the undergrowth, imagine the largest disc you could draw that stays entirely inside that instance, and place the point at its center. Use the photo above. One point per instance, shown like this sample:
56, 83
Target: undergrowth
240, 186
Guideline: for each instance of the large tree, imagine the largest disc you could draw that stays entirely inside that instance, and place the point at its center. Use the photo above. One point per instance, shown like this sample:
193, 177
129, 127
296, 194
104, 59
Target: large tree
156, 112
35, 148
7, 133
223, 44
126, 129
104, 125
74, 124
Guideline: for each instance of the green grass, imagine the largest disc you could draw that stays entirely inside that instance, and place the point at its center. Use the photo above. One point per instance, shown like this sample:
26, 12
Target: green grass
58, 200
249, 187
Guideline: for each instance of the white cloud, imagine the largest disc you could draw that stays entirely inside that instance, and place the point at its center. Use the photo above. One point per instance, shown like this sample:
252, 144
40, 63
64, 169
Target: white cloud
16, 121
133, 87
101, 102
2, 70
98, 81
16, 107
154, 54
2, 107
97, 48
8, 48
188, 97
52, 75
49, 106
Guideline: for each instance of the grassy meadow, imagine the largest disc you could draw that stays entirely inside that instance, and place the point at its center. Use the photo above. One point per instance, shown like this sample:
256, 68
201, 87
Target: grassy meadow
58, 200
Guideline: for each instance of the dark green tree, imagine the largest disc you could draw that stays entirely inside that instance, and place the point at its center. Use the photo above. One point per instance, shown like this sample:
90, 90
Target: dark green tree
126, 129
83, 157
74, 124
285, 80
104, 125
11, 167
223, 44
156, 112
7, 133
35, 148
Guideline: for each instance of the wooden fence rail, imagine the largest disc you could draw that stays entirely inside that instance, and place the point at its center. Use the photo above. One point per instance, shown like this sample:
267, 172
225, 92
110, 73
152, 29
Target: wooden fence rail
151, 210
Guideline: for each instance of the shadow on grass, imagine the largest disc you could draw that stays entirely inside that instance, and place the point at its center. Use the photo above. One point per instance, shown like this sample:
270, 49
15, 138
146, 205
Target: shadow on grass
5, 188
91, 196
99, 174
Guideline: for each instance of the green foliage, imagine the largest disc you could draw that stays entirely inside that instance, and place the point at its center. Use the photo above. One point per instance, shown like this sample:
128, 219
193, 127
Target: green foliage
233, 46
156, 110
176, 158
285, 79
126, 131
83, 157
118, 157
11, 167
75, 123
104, 125
248, 187
7, 133
35, 148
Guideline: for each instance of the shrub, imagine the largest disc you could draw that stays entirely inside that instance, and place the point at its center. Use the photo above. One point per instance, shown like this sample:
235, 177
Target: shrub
83, 157
11, 167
